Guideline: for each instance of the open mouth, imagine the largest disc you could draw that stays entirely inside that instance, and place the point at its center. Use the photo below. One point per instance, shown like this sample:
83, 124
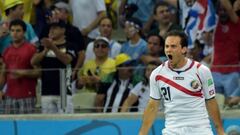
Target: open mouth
170, 57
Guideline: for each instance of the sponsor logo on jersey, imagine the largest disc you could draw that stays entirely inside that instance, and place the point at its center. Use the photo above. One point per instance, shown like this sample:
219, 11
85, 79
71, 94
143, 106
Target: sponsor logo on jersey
178, 78
210, 82
194, 84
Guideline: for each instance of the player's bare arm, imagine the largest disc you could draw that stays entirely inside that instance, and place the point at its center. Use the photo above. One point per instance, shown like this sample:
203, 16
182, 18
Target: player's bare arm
214, 113
149, 116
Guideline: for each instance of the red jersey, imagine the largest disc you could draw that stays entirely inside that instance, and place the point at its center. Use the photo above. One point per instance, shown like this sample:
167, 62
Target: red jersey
226, 54
19, 58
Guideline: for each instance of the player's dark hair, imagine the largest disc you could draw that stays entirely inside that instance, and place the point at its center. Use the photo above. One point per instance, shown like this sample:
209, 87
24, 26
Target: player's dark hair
181, 34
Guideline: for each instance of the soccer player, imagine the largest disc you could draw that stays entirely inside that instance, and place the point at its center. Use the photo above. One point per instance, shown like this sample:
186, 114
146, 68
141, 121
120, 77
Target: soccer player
188, 91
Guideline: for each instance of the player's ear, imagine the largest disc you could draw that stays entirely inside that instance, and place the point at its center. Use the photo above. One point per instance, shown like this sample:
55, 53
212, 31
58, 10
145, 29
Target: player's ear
184, 50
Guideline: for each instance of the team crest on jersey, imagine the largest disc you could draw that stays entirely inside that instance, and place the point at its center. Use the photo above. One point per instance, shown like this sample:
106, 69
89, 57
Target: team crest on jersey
195, 84
178, 78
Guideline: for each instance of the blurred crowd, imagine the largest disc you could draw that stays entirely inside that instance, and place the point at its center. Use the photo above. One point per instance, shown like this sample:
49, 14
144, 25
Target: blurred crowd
65, 56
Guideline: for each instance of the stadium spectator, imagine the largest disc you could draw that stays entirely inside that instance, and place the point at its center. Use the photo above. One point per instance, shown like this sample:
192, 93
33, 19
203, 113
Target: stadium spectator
95, 69
115, 88
42, 13
136, 46
163, 17
62, 11
27, 9
183, 9
140, 92
196, 52
155, 44
105, 28
141, 9
55, 53
226, 54
86, 16
14, 10
18, 73
207, 48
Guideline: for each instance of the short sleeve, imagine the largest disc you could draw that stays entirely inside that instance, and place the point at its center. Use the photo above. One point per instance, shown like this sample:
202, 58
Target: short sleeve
207, 82
89, 52
137, 89
30, 34
100, 5
154, 90
33, 49
71, 50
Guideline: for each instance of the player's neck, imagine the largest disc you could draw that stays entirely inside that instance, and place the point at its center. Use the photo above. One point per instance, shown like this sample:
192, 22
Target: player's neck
180, 64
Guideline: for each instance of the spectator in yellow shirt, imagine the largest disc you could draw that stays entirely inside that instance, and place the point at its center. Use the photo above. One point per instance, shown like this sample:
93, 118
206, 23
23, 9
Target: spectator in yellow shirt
95, 69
